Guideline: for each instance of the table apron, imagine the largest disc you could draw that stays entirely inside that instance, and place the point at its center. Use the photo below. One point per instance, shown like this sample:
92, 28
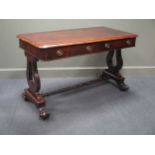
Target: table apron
74, 50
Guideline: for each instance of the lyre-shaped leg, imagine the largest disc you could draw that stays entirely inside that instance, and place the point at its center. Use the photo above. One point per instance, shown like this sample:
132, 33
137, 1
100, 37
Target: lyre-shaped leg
32, 93
113, 71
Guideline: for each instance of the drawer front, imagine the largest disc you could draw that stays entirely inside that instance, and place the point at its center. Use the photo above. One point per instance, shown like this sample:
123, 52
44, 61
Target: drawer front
68, 51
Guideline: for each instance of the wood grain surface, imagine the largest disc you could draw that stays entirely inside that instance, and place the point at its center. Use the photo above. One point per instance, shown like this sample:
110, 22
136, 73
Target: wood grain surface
44, 40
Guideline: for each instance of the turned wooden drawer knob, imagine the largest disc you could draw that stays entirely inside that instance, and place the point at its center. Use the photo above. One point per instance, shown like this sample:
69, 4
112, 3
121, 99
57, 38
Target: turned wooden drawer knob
59, 53
89, 48
107, 45
128, 42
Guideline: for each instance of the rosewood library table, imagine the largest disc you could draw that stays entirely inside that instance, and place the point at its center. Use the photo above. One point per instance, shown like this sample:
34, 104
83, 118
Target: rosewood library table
53, 45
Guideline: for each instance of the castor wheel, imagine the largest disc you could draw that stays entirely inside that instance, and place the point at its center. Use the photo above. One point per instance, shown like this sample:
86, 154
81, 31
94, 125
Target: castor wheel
43, 113
123, 87
25, 97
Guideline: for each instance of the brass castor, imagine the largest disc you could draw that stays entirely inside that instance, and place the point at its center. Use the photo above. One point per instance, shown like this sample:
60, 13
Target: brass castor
43, 113
123, 87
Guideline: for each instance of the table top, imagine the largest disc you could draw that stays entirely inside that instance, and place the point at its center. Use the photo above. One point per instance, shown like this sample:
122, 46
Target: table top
61, 38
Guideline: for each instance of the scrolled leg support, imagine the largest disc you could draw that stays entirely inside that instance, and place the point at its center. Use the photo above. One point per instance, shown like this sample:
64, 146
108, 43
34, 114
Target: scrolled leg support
32, 93
113, 71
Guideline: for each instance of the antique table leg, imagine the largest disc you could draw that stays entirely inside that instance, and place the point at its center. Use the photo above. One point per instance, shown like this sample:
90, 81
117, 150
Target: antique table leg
32, 93
113, 71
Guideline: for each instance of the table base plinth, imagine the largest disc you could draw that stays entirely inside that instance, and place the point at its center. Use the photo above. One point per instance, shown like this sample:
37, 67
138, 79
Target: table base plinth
39, 101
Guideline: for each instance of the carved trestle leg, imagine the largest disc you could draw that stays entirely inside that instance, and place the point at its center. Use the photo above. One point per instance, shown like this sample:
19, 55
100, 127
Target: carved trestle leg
113, 71
32, 93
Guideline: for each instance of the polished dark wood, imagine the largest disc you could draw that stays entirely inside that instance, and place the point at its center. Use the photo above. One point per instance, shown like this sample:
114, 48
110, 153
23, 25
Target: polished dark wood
113, 71
54, 45
32, 93
75, 50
